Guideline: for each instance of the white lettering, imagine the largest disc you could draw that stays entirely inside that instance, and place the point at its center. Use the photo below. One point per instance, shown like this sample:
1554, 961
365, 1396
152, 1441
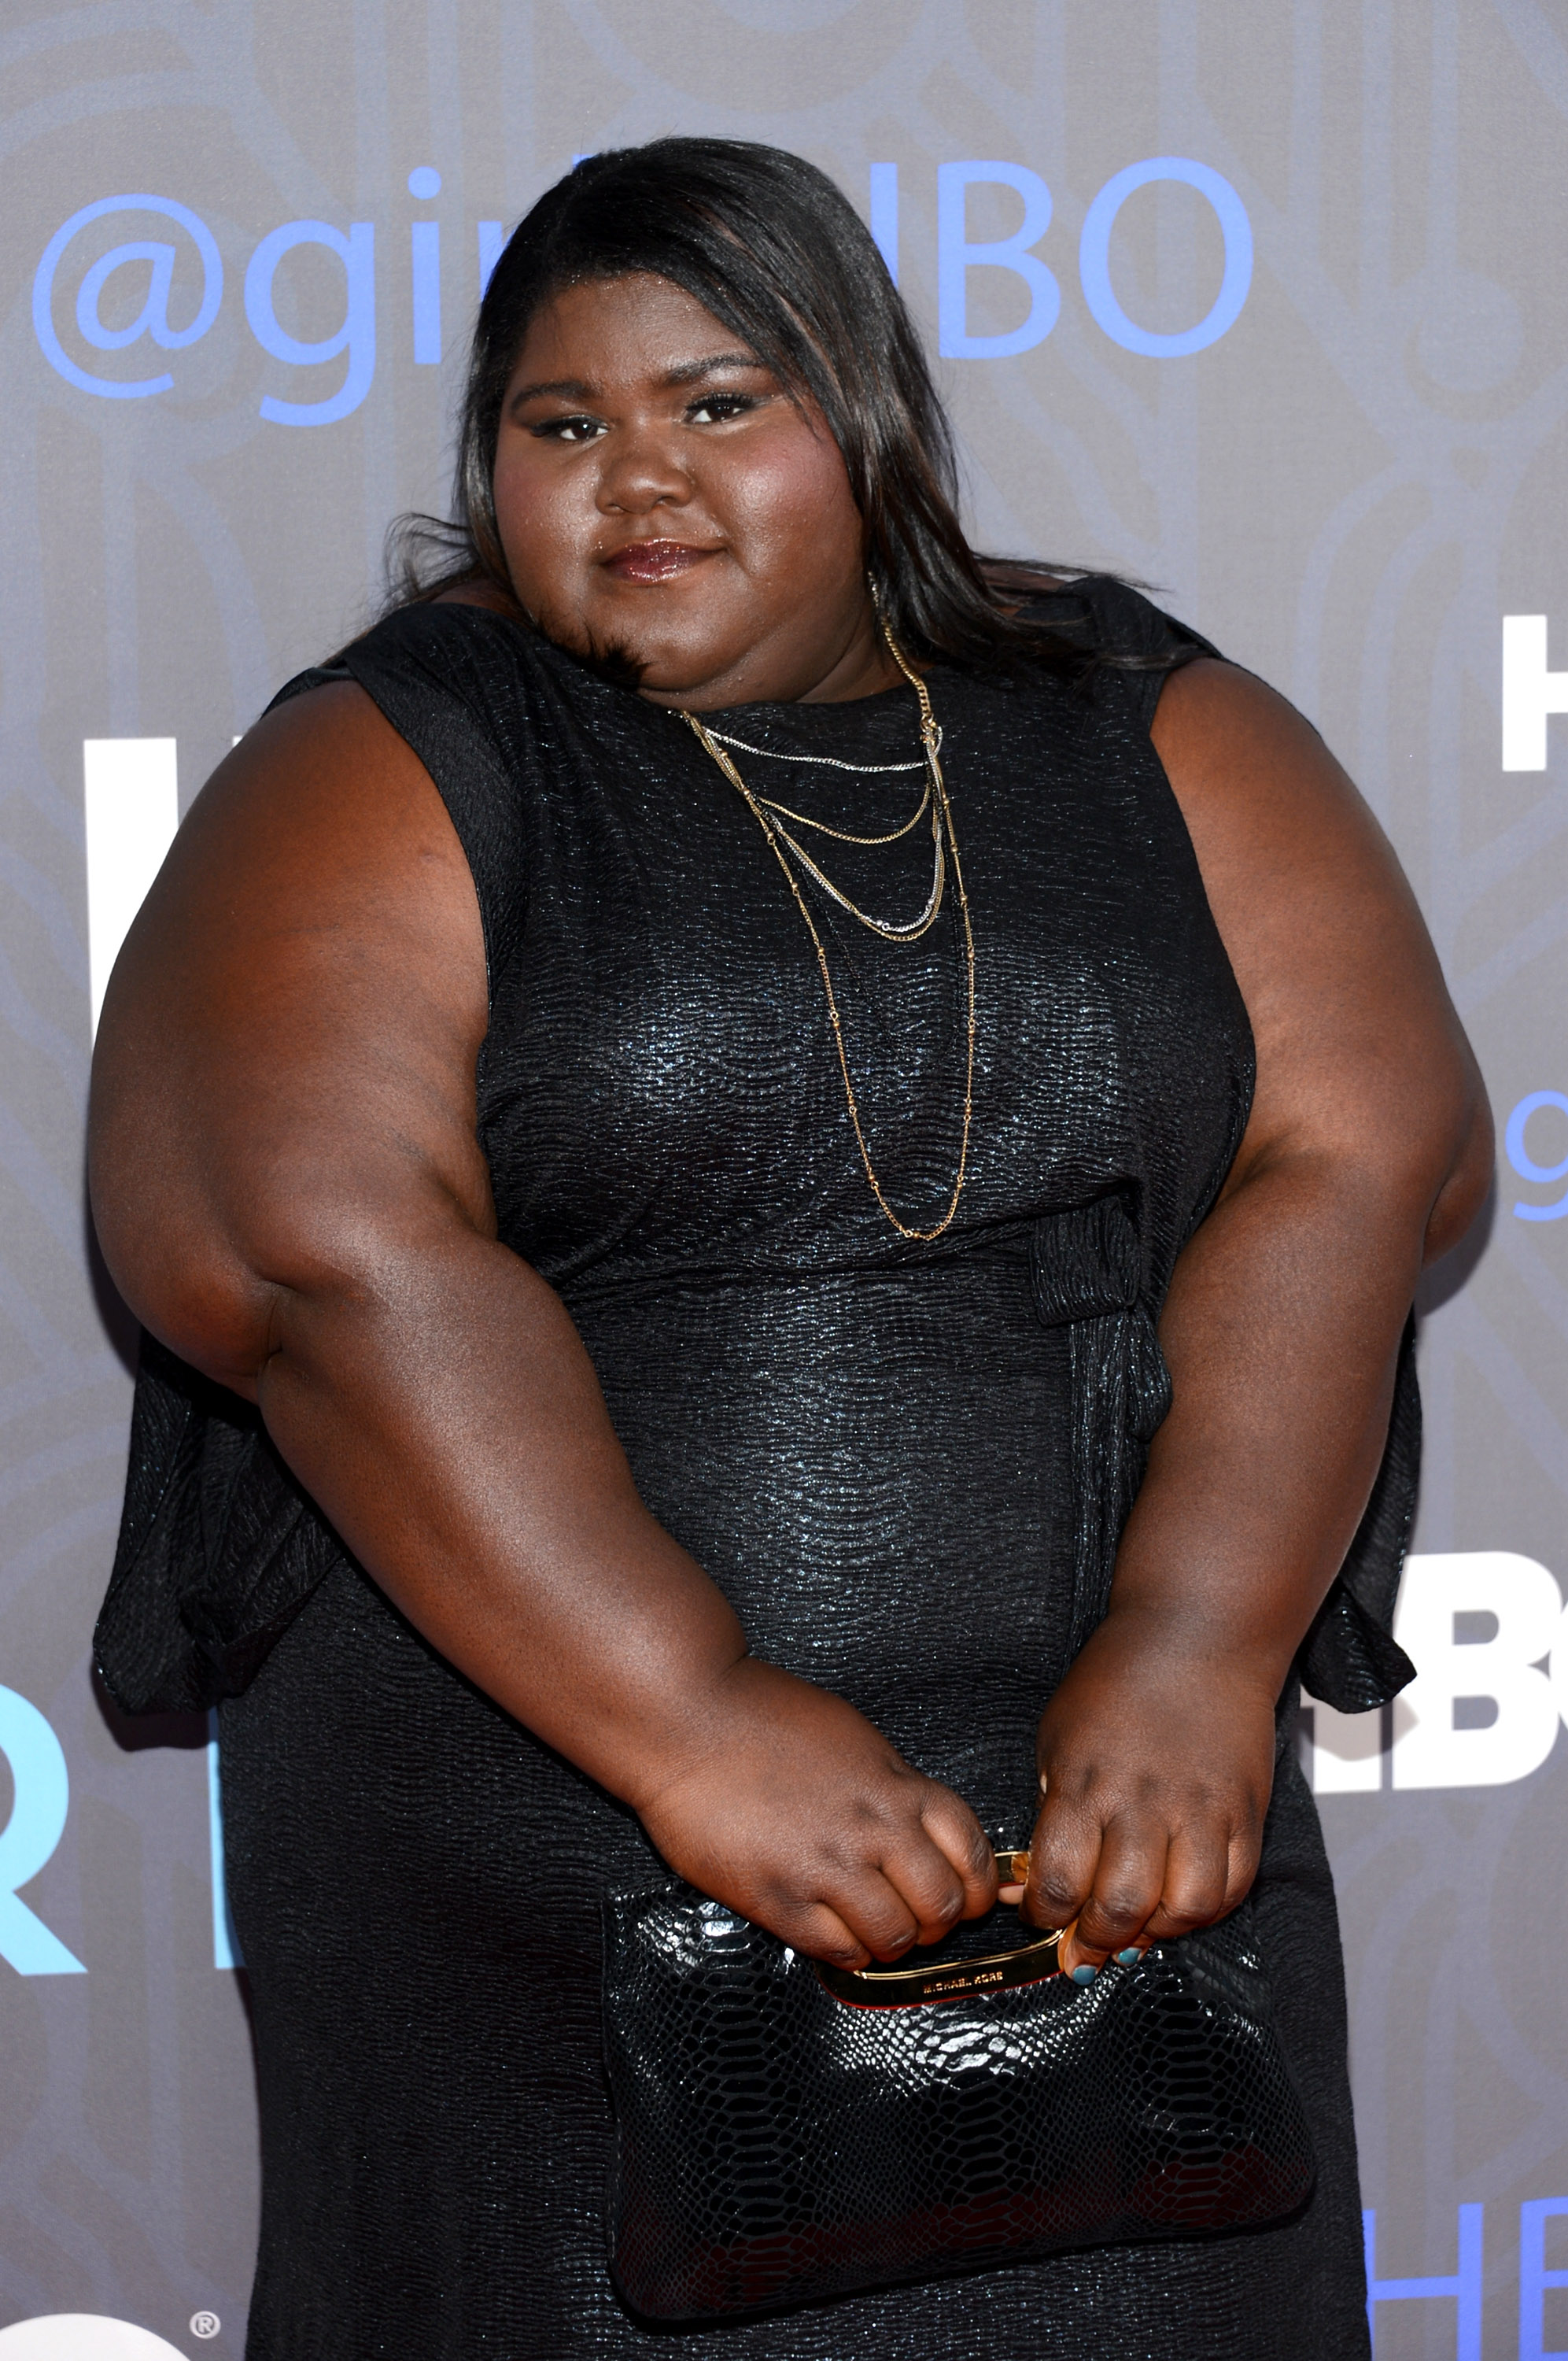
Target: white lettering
83, 2336
1530, 691
1344, 1753
1437, 1745
133, 809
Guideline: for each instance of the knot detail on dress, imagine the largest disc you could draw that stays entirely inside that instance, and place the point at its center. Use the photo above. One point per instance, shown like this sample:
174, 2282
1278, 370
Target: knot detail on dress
1085, 1261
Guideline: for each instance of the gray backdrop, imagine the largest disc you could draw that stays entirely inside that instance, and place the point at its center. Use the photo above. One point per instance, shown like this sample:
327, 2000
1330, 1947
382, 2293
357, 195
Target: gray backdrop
1308, 375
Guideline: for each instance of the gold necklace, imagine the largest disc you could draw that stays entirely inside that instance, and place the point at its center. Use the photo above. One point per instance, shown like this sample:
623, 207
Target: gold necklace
779, 813
831, 762
941, 819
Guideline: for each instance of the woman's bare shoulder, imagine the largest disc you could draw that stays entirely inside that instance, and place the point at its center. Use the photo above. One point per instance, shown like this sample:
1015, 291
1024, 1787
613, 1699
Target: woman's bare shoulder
1282, 836
1357, 1041
1244, 762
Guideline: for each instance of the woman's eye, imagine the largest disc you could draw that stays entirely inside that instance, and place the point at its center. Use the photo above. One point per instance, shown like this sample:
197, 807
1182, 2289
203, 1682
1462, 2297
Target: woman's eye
713, 409
569, 430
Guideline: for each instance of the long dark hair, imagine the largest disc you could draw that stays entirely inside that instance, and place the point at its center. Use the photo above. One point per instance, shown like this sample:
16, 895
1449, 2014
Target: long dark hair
769, 246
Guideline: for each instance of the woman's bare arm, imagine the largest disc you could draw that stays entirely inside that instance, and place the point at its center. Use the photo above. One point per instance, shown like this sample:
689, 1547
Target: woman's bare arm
288, 1191
1369, 1151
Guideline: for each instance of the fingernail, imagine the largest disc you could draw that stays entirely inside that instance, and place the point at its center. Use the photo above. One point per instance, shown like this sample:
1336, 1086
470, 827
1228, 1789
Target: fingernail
1129, 1958
1083, 1973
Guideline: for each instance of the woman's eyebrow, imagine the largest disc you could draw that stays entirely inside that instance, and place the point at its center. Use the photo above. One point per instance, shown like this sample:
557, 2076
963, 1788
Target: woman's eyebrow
577, 388
566, 389
687, 372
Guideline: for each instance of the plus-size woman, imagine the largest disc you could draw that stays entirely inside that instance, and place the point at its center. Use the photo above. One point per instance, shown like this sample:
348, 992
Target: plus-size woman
677, 1443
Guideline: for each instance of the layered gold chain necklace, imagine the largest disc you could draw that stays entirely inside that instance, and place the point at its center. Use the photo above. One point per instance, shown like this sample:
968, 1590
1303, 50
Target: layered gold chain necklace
773, 818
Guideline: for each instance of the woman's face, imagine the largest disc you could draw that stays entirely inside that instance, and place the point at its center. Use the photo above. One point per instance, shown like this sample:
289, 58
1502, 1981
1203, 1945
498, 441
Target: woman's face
660, 496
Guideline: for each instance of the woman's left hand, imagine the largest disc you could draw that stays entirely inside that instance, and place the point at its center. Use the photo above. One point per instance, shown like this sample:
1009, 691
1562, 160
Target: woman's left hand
1156, 1759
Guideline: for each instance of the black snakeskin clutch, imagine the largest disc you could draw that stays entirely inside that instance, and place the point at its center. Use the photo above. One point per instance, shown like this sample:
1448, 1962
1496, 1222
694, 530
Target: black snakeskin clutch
777, 2144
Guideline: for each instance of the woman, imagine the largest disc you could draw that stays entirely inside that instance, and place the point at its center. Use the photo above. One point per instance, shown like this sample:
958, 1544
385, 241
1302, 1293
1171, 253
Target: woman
695, 1255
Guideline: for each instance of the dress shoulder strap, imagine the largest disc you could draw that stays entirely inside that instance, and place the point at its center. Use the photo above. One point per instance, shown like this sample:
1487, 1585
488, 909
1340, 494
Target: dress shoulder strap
453, 682
1139, 644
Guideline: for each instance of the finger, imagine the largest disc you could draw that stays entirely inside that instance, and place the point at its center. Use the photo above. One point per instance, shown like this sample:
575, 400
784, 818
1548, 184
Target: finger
1083, 1971
964, 1845
875, 1913
1063, 1859
1196, 1883
819, 1933
927, 1884
1128, 1884
1243, 1854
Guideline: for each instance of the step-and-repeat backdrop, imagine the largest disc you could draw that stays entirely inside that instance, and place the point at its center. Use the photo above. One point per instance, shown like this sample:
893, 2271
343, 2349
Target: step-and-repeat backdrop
1263, 306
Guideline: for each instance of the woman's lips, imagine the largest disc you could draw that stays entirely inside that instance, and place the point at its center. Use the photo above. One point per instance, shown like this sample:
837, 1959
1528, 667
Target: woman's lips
655, 561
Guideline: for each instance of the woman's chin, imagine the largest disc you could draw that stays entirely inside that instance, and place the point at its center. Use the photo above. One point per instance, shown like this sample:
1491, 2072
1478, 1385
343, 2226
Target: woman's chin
684, 675
632, 652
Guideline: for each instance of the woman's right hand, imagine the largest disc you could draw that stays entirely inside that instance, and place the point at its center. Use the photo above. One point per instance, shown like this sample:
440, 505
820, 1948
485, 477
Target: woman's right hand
794, 1811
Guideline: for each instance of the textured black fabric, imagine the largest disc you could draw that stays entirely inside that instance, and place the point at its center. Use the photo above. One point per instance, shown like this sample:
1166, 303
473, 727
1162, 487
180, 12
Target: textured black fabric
218, 1547
905, 1465
777, 2144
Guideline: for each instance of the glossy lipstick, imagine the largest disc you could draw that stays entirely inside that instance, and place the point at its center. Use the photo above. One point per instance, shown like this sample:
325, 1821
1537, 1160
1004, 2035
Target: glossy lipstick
655, 561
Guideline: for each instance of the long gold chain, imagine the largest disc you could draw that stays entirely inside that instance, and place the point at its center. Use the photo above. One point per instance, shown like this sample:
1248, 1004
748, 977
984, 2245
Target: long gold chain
844, 835
887, 927
931, 737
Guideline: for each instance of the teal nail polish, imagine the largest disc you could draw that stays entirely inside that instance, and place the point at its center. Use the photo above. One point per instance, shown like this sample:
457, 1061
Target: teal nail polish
1083, 1973
1129, 1958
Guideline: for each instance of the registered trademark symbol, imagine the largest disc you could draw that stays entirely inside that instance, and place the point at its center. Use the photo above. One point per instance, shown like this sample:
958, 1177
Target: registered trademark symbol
204, 2324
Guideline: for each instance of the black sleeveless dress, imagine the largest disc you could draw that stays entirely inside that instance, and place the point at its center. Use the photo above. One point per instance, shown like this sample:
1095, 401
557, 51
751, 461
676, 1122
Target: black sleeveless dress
905, 1465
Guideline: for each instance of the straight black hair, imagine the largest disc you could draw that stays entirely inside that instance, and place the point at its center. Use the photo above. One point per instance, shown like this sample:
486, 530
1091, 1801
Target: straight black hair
769, 246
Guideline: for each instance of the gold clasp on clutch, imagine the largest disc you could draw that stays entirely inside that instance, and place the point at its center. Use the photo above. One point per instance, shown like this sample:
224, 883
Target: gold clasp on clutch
1031, 1963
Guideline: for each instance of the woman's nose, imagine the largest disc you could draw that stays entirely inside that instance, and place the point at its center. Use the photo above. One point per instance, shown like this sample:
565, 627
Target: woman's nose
642, 471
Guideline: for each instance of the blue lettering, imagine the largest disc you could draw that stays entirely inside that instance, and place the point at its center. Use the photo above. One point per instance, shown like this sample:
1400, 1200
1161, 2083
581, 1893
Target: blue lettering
42, 1799
1535, 2279
425, 259
153, 318
425, 264
1094, 257
356, 252
1465, 2285
956, 257
1524, 1163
